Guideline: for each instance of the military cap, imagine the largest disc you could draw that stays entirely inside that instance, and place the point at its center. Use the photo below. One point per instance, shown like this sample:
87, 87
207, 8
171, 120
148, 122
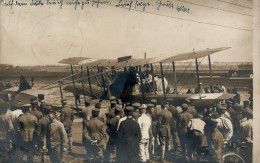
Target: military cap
113, 102
136, 104
142, 107
184, 106
118, 108
238, 106
221, 107
47, 107
150, 105
129, 108
165, 102
112, 98
19, 104
98, 105
154, 101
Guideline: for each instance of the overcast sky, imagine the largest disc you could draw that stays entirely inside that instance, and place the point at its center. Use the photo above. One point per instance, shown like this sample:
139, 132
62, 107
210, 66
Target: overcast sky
45, 34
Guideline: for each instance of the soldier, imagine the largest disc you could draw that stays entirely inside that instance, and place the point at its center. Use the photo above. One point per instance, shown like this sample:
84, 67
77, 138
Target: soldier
155, 124
86, 116
101, 117
67, 117
42, 128
95, 136
215, 141
56, 138
136, 113
111, 113
175, 137
224, 126
165, 117
195, 135
34, 111
124, 118
129, 135
231, 111
145, 124
27, 140
182, 127
111, 130
6, 130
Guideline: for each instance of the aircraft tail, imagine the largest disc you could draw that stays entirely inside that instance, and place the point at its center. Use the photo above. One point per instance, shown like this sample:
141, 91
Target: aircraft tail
24, 85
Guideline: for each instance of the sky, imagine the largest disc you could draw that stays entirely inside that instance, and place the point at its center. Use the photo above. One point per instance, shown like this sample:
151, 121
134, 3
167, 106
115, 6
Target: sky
42, 35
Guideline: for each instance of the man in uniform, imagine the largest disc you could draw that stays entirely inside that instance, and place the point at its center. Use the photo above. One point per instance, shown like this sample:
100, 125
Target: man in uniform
28, 137
165, 118
174, 133
6, 130
111, 130
42, 129
145, 124
182, 127
231, 111
215, 141
95, 136
67, 117
136, 113
129, 135
56, 138
86, 116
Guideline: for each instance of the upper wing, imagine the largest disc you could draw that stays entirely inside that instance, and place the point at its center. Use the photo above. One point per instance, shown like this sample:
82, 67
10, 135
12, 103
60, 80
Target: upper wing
189, 55
128, 61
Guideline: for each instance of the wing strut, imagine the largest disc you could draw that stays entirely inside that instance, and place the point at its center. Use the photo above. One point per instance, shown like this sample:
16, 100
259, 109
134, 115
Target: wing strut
82, 82
174, 76
210, 71
164, 96
153, 78
89, 82
61, 94
73, 81
141, 81
198, 76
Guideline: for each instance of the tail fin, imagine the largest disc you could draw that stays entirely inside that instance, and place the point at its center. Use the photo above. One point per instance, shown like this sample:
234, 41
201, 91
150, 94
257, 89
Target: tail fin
24, 85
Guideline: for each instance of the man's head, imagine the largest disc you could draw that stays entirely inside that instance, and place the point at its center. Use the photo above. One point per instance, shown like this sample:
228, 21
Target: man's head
34, 102
98, 105
95, 112
142, 109
136, 105
246, 103
26, 108
52, 115
238, 108
165, 104
154, 101
129, 111
47, 109
221, 108
118, 110
184, 107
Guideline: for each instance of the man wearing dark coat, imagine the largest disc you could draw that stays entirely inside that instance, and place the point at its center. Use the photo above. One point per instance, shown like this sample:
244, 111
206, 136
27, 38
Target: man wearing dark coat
129, 135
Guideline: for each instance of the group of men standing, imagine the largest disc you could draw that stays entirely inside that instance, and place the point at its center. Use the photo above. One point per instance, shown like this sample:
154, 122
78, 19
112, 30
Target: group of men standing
132, 133
33, 129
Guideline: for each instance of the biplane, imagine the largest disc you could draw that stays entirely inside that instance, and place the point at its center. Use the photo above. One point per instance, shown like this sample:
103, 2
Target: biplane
123, 78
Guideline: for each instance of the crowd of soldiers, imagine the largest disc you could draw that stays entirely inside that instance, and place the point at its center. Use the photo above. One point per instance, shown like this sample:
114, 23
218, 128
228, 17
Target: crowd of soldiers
126, 133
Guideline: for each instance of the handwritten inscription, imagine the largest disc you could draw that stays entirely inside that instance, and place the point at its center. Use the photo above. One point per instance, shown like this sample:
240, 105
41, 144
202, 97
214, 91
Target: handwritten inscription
141, 5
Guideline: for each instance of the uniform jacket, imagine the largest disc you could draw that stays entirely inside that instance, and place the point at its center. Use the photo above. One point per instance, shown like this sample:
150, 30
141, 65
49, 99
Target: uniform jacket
225, 127
145, 124
56, 134
183, 121
95, 129
112, 126
28, 126
215, 142
67, 117
42, 130
6, 127
165, 119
